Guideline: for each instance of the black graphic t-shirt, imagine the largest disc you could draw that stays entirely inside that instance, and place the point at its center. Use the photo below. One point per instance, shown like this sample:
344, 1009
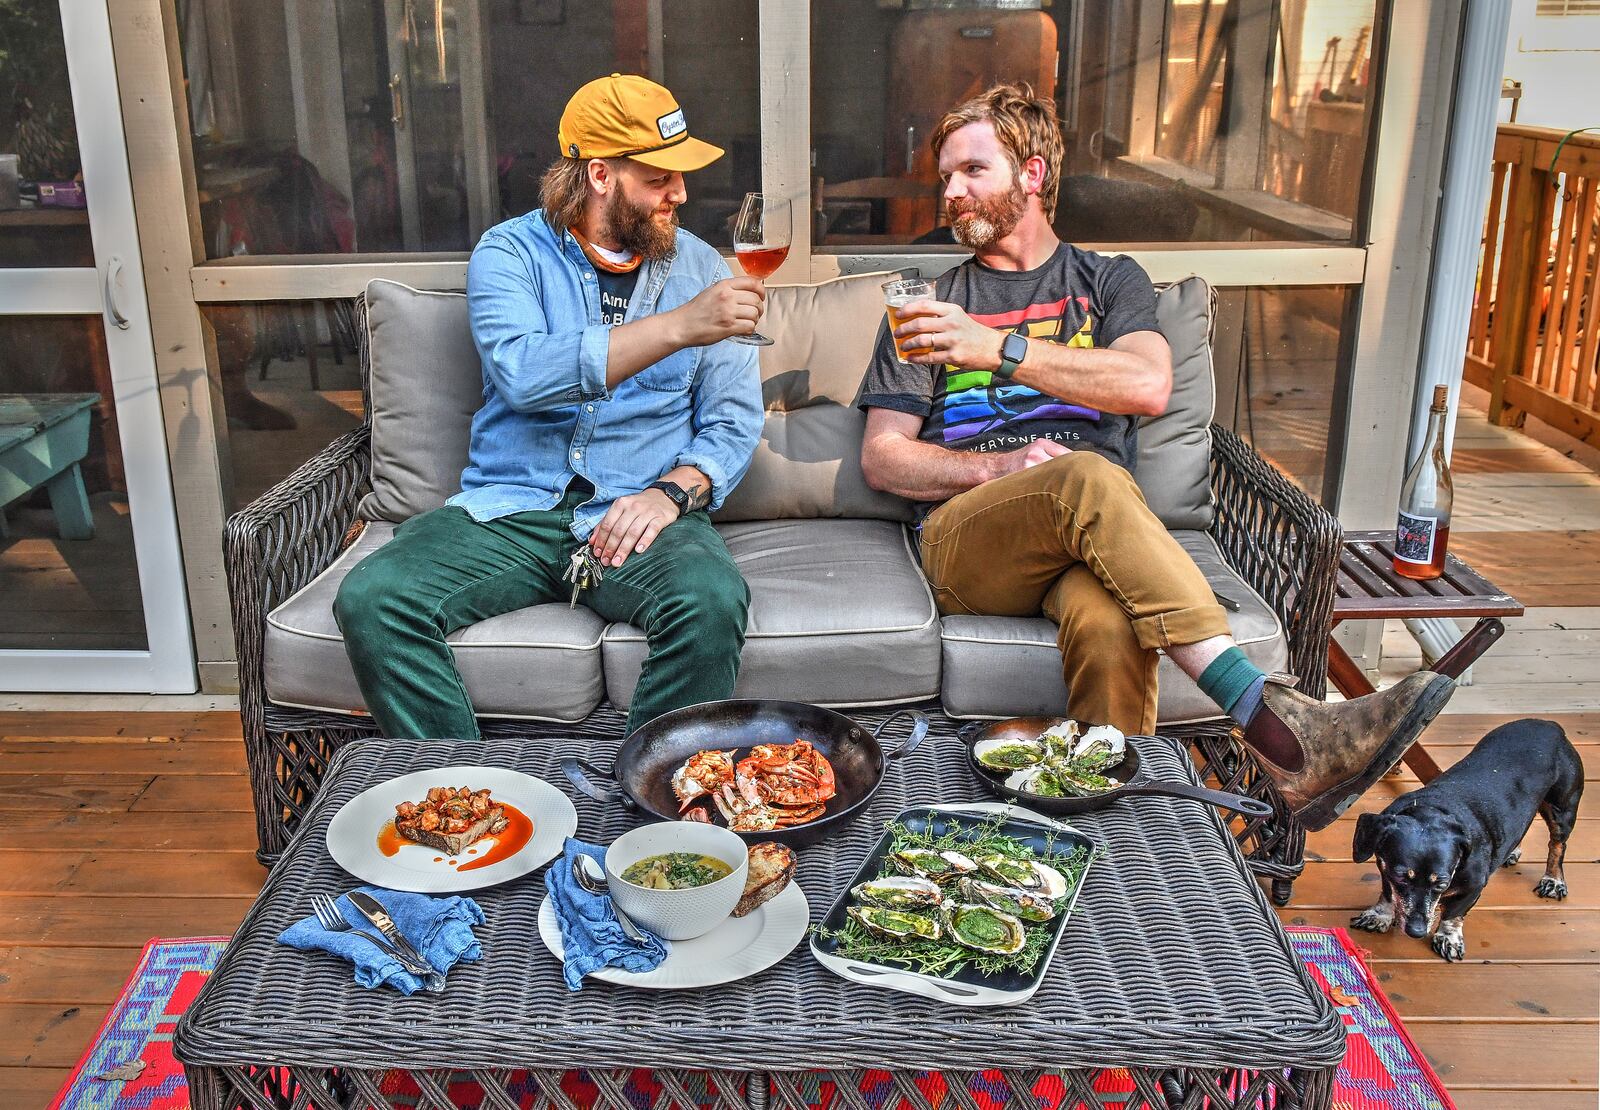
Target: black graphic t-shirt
1077, 297
616, 290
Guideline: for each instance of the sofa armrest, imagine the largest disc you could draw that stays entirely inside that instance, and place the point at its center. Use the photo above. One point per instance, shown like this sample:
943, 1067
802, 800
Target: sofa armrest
280, 542
1283, 543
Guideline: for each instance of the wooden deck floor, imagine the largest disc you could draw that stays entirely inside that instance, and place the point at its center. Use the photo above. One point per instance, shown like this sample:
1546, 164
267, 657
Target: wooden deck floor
143, 827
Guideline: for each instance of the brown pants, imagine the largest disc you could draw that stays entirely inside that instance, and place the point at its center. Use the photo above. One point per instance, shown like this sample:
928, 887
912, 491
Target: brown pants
1073, 538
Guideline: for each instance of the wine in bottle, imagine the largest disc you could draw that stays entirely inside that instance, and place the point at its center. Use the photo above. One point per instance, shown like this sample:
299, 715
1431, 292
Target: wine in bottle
1423, 531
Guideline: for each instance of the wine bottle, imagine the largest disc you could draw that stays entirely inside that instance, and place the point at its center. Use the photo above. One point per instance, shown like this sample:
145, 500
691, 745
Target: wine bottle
1423, 531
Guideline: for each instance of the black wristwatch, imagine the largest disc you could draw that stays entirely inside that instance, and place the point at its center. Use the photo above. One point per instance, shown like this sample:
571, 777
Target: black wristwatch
1013, 349
679, 495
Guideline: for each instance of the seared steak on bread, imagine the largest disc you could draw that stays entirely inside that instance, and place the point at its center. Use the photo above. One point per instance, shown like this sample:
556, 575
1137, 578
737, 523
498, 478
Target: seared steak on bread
449, 818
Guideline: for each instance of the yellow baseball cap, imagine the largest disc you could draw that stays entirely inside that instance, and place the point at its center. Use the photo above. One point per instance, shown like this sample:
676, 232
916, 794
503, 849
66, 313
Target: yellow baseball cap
626, 116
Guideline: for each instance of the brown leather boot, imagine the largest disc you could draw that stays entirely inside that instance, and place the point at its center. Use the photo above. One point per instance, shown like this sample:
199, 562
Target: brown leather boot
1324, 756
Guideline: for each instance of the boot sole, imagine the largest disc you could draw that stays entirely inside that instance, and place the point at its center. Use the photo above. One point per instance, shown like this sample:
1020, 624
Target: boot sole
1325, 808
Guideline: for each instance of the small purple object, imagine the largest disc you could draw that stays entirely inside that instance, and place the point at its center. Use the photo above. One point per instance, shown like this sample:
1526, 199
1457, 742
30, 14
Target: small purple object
62, 194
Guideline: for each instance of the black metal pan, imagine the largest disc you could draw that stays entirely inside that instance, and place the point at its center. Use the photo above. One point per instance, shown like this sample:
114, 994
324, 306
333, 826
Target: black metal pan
641, 777
1127, 772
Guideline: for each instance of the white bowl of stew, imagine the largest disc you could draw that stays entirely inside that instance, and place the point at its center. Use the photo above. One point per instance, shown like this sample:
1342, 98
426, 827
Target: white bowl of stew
679, 879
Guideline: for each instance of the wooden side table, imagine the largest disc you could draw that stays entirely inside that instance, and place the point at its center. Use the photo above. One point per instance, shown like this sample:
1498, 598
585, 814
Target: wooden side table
1369, 589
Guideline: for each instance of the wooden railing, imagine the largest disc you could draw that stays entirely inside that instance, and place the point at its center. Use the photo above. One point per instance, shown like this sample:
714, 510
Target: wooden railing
1535, 338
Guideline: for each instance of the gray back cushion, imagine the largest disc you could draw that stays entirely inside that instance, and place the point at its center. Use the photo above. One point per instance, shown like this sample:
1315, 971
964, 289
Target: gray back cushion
426, 382
1174, 468
808, 463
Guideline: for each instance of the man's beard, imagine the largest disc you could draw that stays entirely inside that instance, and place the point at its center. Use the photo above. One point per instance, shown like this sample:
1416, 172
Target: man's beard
991, 221
636, 230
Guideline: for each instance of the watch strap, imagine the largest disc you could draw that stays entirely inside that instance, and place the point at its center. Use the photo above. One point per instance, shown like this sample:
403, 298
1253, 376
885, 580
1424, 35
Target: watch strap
1013, 349
679, 495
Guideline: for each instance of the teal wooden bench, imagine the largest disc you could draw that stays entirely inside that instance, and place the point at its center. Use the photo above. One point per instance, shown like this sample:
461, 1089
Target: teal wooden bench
43, 438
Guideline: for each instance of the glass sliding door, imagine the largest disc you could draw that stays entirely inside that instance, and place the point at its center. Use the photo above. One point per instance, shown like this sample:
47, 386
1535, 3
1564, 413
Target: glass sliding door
91, 581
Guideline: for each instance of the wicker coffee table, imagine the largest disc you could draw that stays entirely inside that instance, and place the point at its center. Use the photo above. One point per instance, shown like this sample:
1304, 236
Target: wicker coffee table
1173, 966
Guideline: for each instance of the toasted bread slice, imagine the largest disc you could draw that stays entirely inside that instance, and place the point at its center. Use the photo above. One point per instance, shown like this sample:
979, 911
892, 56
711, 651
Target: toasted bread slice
771, 869
455, 843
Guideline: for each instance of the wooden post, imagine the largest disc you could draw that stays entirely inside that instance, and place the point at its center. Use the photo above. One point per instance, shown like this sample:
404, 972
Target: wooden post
1516, 286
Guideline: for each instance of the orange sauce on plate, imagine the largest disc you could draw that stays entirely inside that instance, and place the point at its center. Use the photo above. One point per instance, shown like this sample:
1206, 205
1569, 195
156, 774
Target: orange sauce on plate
508, 842
504, 844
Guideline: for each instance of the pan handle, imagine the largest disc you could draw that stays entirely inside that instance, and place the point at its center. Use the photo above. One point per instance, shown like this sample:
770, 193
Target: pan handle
574, 767
967, 731
1238, 803
919, 729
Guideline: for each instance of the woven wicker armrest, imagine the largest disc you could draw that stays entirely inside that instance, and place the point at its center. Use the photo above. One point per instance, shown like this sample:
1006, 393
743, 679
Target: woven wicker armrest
1283, 543
274, 547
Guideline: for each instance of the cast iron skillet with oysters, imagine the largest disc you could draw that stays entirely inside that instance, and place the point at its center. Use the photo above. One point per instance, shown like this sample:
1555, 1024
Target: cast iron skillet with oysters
1058, 766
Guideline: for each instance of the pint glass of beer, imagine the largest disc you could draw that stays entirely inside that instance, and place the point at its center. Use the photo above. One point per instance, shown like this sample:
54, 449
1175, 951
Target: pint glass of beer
898, 294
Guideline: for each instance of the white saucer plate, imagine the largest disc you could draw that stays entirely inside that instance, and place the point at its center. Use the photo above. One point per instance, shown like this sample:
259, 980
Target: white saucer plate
353, 832
739, 947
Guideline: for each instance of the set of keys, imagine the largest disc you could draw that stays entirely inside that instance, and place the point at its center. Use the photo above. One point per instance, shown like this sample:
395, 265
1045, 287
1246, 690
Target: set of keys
584, 572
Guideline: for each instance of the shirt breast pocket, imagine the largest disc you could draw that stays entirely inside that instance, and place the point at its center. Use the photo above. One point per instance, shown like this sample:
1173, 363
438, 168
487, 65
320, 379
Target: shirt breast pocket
673, 374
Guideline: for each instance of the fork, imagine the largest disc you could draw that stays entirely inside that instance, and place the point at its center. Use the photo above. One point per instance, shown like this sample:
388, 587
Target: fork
328, 916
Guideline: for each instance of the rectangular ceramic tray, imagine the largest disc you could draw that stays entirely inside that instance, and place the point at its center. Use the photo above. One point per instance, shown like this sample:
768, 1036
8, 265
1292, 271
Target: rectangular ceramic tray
969, 986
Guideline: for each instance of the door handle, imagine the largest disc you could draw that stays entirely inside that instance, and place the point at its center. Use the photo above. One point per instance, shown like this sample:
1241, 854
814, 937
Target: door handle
397, 108
911, 148
113, 309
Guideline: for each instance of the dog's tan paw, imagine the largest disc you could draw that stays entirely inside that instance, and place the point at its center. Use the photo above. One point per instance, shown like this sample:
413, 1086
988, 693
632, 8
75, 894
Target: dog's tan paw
1548, 887
1375, 919
1449, 941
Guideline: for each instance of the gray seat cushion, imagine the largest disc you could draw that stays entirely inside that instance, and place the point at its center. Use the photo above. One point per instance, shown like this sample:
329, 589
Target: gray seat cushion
839, 615
1011, 667
540, 663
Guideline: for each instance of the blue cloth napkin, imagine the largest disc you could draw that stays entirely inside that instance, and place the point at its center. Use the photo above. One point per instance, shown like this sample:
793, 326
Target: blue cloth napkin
591, 938
439, 928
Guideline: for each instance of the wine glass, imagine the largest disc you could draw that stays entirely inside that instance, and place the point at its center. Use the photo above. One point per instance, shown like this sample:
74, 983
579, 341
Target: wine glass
761, 237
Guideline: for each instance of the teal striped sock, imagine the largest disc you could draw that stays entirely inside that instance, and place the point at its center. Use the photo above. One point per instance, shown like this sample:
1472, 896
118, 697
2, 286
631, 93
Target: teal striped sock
1230, 680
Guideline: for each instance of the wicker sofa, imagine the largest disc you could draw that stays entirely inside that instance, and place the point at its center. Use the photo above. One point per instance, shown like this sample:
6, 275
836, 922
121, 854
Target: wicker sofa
840, 613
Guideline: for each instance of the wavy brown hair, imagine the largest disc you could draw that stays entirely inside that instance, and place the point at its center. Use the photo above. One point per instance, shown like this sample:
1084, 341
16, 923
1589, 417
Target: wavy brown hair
1026, 125
563, 191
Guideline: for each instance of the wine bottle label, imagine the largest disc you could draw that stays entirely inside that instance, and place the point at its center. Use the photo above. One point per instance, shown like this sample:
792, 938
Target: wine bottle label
1414, 537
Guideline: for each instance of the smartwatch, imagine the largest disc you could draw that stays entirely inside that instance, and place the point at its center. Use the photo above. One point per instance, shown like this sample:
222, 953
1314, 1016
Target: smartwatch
1013, 349
679, 495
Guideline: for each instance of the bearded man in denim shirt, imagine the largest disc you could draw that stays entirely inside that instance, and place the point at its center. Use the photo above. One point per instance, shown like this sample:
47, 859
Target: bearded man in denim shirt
616, 413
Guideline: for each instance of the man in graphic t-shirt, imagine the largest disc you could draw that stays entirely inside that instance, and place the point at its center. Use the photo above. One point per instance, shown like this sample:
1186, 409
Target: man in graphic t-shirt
1014, 425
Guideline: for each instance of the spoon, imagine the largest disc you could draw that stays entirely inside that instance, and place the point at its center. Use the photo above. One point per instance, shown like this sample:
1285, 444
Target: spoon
586, 870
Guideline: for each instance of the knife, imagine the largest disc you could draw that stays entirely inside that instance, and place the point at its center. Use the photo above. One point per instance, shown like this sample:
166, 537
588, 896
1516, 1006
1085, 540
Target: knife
372, 910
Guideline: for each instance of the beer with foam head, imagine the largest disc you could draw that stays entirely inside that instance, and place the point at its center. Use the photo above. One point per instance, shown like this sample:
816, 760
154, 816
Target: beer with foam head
897, 295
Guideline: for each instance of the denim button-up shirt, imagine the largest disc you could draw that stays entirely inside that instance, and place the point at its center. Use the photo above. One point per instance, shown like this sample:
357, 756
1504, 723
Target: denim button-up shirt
547, 415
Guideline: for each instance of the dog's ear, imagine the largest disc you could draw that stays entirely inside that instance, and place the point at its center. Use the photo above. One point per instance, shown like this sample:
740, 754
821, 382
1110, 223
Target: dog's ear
1462, 842
1369, 826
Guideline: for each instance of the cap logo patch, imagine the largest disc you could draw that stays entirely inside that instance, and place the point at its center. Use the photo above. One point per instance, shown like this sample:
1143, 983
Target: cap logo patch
672, 124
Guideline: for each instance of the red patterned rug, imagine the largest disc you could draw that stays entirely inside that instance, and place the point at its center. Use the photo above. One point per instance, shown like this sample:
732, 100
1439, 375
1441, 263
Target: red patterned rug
130, 1065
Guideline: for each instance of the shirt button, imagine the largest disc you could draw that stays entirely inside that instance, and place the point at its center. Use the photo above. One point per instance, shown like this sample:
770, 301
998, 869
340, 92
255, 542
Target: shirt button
588, 408
577, 454
588, 277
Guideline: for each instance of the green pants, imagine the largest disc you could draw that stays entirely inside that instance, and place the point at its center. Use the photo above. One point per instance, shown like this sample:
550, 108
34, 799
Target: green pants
444, 570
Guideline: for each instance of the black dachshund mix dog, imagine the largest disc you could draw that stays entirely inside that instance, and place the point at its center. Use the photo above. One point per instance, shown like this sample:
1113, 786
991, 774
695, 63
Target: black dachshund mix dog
1437, 846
